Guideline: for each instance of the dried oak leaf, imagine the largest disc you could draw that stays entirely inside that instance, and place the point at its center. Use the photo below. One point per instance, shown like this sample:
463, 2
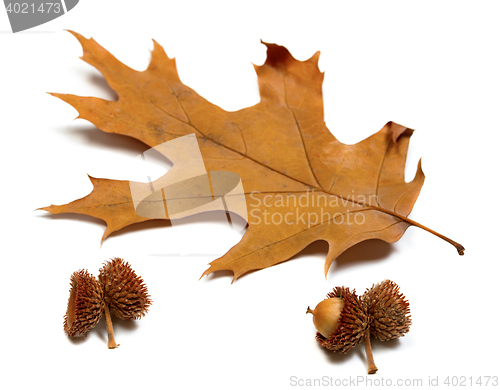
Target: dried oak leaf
280, 147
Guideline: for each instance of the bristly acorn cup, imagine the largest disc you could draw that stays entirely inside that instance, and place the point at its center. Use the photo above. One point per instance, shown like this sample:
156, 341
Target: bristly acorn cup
119, 291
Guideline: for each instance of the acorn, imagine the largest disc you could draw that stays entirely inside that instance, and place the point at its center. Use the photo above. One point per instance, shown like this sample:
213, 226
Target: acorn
125, 294
344, 320
85, 304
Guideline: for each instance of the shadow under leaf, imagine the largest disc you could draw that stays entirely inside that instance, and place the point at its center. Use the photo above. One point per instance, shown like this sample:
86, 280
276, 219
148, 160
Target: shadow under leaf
100, 82
366, 251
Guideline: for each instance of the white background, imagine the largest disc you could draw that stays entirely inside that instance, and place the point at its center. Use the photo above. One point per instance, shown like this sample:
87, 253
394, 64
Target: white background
431, 66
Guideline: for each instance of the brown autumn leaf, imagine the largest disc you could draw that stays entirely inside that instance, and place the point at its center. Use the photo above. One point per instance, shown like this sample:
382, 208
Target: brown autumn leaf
301, 184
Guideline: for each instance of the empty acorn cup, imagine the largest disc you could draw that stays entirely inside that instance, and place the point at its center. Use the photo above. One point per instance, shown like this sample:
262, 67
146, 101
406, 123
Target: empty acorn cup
125, 294
85, 304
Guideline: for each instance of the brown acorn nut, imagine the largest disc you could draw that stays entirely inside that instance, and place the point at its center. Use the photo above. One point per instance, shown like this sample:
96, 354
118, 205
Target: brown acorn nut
326, 315
381, 311
85, 304
125, 294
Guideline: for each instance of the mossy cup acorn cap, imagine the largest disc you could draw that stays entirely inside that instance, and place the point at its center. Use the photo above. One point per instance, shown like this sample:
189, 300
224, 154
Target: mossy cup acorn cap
388, 310
124, 291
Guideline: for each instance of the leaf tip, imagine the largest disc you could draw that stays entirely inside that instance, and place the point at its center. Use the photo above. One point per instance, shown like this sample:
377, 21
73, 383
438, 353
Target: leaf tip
276, 54
420, 171
106, 234
76, 35
212, 269
93, 179
55, 94
80, 38
206, 273
327, 267
157, 46
315, 58
397, 129
330, 257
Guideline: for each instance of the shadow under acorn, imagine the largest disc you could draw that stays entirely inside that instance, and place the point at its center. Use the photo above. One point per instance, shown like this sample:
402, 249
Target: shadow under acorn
120, 327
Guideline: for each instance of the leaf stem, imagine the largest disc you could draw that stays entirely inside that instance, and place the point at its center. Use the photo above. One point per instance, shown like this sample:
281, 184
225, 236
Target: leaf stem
372, 368
460, 249
109, 325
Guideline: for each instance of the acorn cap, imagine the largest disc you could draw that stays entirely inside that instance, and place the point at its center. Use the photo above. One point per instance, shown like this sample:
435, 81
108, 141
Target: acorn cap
352, 323
85, 304
388, 310
124, 292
